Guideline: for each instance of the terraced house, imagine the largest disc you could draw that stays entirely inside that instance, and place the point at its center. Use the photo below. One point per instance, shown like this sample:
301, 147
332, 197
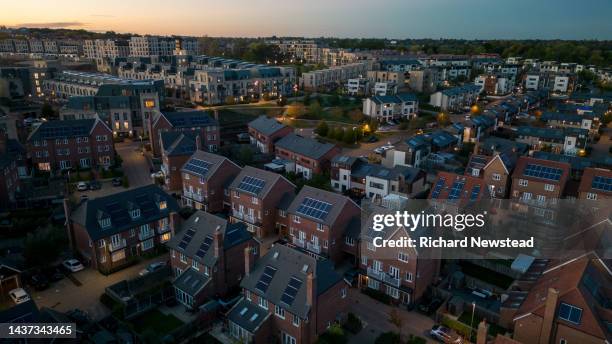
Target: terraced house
108, 232
288, 297
197, 122
206, 178
63, 145
176, 147
203, 257
317, 222
536, 181
596, 183
495, 171
265, 131
305, 156
255, 196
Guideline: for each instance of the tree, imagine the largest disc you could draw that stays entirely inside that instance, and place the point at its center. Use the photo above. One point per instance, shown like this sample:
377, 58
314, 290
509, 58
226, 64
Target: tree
245, 155
355, 115
229, 100
306, 98
348, 136
47, 111
334, 100
322, 129
315, 110
296, 110
338, 133
44, 246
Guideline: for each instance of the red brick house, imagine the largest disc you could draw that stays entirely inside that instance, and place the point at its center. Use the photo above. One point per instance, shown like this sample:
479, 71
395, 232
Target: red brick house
198, 122
206, 177
203, 257
255, 196
305, 156
176, 148
494, 170
109, 231
289, 297
461, 190
71, 144
265, 131
534, 181
595, 183
317, 221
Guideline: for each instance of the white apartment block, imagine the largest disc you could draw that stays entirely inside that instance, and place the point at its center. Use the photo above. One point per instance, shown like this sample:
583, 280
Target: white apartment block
334, 76
455, 98
102, 48
386, 108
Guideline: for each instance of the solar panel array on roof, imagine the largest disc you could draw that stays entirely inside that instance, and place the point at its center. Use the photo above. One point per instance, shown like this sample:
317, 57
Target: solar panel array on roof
602, 183
119, 216
251, 184
436, 191
291, 290
197, 166
475, 192
204, 246
187, 238
456, 189
543, 172
265, 279
65, 131
314, 208
479, 160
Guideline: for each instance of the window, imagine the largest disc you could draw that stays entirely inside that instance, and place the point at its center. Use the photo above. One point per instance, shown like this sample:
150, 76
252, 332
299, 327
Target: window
194, 264
371, 246
349, 241
549, 187
373, 284
296, 219
280, 312
247, 294
135, 213
475, 172
254, 200
402, 257
296, 320
570, 313
562, 341
393, 292
263, 303
364, 260
496, 176
523, 182
343, 293
409, 277
183, 258
320, 227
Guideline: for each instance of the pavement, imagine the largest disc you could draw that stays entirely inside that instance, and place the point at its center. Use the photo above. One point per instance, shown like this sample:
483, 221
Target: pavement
135, 165
374, 316
65, 295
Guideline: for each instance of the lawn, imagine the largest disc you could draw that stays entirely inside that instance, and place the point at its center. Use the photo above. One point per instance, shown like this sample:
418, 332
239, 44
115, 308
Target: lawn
155, 320
486, 275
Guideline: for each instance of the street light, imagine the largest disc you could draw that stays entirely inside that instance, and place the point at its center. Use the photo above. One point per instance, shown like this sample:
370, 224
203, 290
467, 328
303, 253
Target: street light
472, 321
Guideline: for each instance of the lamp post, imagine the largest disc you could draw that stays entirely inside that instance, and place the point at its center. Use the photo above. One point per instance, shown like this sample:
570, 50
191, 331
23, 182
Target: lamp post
472, 321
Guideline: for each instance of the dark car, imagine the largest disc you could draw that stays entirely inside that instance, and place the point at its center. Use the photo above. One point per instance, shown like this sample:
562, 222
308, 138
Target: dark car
430, 307
95, 185
117, 182
39, 282
372, 139
54, 274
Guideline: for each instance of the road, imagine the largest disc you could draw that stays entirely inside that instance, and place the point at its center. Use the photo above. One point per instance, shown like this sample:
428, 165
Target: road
135, 165
601, 149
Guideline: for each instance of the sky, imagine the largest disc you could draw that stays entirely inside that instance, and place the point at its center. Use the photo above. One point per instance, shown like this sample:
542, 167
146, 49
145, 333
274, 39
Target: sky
468, 19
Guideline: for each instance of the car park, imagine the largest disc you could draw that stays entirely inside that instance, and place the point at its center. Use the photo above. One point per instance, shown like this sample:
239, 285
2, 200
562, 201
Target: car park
72, 265
19, 295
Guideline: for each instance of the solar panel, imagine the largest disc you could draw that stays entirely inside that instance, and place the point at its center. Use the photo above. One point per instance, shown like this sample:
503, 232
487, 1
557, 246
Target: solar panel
602, 183
187, 238
456, 189
436, 191
314, 208
204, 247
251, 184
197, 166
475, 192
265, 279
291, 290
543, 172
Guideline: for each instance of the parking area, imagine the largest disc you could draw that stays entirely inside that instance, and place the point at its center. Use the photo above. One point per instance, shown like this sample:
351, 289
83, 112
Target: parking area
375, 317
84, 292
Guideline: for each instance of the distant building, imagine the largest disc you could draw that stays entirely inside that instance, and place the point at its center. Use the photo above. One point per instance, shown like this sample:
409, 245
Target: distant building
563, 140
264, 132
333, 77
456, 98
305, 156
391, 107
196, 122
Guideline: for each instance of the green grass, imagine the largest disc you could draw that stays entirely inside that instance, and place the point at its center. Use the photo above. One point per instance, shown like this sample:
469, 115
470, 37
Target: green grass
486, 275
156, 321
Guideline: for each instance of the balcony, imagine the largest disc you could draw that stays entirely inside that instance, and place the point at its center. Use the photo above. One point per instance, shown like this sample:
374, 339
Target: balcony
163, 229
142, 236
313, 248
384, 277
243, 216
298, 242
114, 246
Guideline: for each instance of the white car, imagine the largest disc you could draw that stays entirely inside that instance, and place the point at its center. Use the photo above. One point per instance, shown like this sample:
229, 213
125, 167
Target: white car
158, 174
82, 186
19, 296
73, 265
151, 268
444, 334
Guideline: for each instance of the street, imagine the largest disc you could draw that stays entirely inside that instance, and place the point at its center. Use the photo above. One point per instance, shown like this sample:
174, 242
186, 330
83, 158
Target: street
135, 165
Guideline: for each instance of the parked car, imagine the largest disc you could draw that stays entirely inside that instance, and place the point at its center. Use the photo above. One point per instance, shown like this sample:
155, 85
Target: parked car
379, 150
19, 295
39, 282
95, 185
73, 265
445, 335
82, 186
117, 182
53, 274
152, 268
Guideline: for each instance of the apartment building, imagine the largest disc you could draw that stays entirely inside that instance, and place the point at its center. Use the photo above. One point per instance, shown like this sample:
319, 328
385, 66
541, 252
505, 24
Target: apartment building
568, 120
288, 297
391, 107
109, 231
197, 122
560, 140
549, 80
400, 65
567, 304
65, 47
205, 178
495, 170
305, 156
218, 85
333, 77
455, 98
494, 85
536, 181
396, 78
317, 221
265, 131
62, 145
164, 46
424, 80
203, 258
375, 181
299, 50
595, 183
102, 48
255, 196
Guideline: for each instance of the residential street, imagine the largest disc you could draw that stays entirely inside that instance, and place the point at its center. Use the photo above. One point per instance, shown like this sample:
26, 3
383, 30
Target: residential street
135, 165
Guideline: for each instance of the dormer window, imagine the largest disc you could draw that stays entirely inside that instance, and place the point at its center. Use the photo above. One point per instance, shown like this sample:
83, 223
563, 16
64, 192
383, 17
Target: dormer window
105, 222
162, 205
135, 213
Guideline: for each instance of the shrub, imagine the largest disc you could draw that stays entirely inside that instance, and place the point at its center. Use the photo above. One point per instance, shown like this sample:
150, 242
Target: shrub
322, 129
333, 335
125, 182
353, 324
388, 338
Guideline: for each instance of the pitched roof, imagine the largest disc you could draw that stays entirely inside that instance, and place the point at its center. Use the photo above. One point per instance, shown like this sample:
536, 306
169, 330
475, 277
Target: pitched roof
461, 90
288, 263
477, 162
551, 133
558, 116
248, 315
393, 99
529, 168
117, 208
256, 181
454, 187
498, 144
304, 146
63, 129
596, 180
191, 281
195, 237
204, 164
266, 125
577, 162
175, 143
302, 205
188, 119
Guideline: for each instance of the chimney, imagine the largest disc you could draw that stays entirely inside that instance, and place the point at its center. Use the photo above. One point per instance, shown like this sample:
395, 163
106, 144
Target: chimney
198, 142
481, 335
311, 291
217, 241
549, 315
247, 261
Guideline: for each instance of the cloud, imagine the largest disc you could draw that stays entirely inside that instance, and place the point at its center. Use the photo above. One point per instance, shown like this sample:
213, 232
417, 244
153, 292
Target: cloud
52, 25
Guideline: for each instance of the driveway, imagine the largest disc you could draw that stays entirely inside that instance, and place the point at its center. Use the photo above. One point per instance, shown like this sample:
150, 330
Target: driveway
65, 295
374, 316
135, 165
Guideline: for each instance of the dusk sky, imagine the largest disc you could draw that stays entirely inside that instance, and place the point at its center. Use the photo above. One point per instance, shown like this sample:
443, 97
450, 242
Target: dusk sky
546, 19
